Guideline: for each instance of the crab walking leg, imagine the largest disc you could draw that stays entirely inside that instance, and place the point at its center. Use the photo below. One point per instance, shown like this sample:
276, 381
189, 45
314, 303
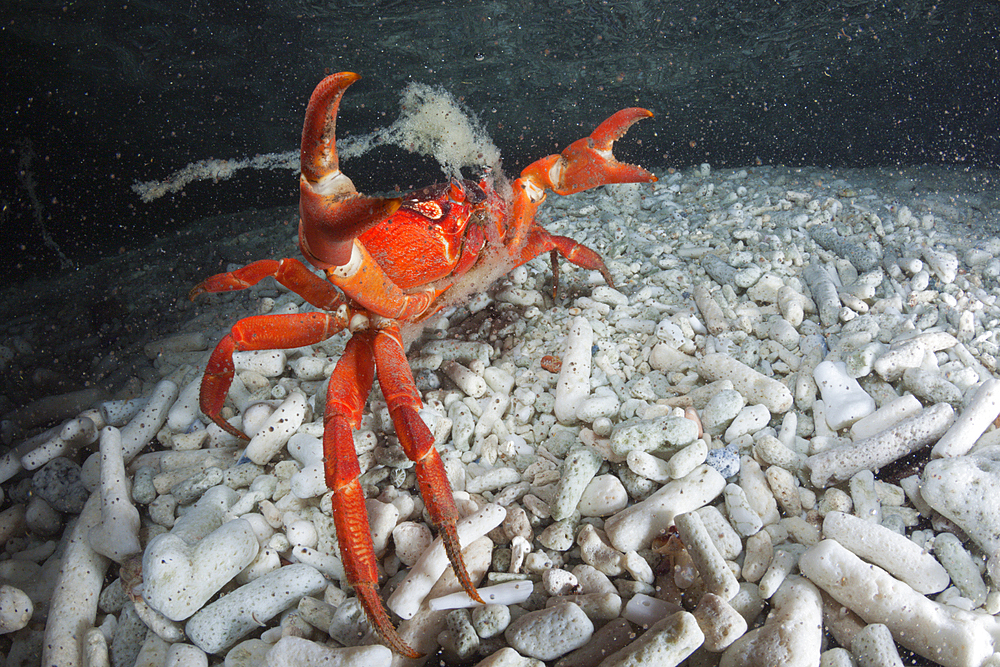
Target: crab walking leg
540, 241
290, 273
348, 390
261, 332
401, 394
530, 240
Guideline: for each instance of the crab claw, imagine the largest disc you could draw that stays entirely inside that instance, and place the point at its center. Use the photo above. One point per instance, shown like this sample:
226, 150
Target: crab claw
589, 162
331, 211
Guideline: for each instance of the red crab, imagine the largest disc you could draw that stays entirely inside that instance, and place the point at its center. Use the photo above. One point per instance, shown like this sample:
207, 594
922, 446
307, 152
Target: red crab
393, 261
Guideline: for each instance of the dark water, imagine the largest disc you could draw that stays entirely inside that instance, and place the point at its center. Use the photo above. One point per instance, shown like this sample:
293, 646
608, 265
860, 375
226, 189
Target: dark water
98, 95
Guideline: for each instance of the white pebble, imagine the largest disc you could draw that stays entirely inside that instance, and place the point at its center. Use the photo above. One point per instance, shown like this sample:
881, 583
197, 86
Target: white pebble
782, 564
608, 295
550, 633
963, 489
233, 616
910, 354
604, 495
578, 469
661, 433
302, 533
648, 466
742, 516
15, 609
559, 582
596, 553
573, 385
846, 402
943, 264
792, 635
666, 643
150, 419
759, 552
635, 527
886, 417
940, 633
791, 303
185, 655
492, 619
663, 357
411, 540
407, 598
499, 380
750, 419
645, 610
73, 602
492, 479
292, 651
874, 646
183, 413
603, 404
721, 624
309, 368
758, 493
472, 384
712, 567
896, 553
269, 363
179, 578
72, 435
720, 411
840, 463
501, 595
309, 482
639, 568
277, 429
974, 420
961, 567
755, 387
117, 535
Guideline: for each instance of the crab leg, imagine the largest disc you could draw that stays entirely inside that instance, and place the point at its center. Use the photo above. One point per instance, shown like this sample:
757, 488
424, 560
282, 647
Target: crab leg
348, 390
540, 241
261, 332
400, 393
290, 273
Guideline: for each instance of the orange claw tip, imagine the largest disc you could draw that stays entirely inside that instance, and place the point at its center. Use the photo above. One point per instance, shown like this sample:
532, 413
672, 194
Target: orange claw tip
616, 126
374, 610
319, 143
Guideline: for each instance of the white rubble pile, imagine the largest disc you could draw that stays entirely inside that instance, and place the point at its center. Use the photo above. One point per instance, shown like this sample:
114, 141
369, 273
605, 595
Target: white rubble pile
778, 427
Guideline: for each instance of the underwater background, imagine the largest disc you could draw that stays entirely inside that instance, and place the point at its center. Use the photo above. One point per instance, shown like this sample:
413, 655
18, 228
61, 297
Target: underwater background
98, 95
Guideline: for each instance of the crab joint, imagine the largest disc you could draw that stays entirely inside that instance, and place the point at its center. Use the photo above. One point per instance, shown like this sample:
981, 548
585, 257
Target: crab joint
358, 322
535, 192
352, 266
334, 184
